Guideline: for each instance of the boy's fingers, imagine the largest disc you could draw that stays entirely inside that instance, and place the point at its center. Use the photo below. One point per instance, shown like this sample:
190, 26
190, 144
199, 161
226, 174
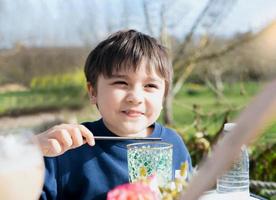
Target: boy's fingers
76, 137
65, 138
53, 148
49, 146
88, 136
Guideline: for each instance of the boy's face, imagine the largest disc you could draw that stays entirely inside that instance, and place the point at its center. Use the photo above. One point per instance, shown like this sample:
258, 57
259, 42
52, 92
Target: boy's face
129, 102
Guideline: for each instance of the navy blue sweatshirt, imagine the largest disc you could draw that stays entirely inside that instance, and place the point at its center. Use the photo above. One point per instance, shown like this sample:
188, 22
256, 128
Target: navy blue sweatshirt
87, 173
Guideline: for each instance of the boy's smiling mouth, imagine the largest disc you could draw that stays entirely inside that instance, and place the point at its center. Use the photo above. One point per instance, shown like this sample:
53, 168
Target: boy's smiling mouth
132, 113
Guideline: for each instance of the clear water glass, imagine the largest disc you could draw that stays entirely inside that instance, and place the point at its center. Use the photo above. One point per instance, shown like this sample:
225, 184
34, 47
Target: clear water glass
236, 179
150, 158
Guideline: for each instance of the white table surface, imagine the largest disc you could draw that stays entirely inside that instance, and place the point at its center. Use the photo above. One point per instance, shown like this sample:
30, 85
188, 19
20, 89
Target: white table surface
213, 195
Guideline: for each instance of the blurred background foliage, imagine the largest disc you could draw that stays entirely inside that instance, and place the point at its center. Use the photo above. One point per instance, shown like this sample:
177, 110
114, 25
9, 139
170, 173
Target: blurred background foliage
216, 75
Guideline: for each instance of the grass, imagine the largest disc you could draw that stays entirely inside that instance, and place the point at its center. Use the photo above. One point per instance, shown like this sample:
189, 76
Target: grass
212, 109
37, 100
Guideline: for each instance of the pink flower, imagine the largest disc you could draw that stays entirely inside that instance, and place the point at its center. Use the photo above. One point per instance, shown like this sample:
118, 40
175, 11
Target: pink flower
132, 191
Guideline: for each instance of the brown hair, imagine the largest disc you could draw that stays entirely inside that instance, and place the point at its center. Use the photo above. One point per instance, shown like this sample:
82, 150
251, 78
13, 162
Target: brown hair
125, 50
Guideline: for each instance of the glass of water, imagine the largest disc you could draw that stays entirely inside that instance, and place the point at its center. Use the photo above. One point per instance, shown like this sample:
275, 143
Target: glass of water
150, 158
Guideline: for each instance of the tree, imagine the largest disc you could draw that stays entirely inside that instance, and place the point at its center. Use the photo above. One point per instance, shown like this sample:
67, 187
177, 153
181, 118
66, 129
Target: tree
184, 62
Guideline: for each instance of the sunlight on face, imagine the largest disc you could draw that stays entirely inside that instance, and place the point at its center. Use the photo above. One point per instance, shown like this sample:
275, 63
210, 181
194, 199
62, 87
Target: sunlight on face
130, 102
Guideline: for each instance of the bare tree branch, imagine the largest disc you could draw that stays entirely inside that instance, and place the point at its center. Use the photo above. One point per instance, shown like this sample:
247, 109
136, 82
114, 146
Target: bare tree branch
195, 25
206, 16
188, 66
223, 51
198, 57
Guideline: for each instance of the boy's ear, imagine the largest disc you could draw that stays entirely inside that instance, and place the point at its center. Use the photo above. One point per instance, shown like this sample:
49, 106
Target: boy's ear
91, 93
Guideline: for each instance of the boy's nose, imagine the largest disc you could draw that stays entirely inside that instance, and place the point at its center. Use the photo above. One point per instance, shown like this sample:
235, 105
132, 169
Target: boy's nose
134, 96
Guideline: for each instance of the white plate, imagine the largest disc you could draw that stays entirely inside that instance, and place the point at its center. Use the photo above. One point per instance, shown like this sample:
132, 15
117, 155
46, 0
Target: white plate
213, 195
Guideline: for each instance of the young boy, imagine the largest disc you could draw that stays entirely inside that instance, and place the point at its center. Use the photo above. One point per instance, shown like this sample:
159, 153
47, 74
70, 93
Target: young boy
128, 75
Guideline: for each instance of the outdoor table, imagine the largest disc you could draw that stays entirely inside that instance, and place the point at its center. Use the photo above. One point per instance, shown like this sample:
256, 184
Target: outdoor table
214, 195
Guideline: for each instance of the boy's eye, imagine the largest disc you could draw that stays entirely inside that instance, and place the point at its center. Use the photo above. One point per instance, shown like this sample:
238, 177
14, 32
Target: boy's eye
152, 86
120, 83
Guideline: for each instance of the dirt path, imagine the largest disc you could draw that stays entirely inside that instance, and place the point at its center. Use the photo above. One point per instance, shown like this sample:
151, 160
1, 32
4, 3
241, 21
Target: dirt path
42, 121
29, 120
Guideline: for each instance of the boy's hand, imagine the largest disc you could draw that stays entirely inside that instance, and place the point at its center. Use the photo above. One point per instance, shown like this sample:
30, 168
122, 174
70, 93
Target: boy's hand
58, 139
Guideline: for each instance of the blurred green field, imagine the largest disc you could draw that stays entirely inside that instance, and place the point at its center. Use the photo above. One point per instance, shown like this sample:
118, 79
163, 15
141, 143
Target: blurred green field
46, 93
34, 101
212, 109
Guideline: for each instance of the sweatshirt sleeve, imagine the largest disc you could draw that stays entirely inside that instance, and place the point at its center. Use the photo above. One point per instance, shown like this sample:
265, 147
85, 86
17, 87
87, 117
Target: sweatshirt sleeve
183, 151
50, 187
180, 151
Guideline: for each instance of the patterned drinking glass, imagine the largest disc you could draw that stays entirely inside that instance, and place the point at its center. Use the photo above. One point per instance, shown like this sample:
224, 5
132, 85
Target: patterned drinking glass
150, 158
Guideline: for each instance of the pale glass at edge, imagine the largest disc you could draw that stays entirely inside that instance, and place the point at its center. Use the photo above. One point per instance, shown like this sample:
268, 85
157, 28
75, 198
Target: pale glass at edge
21, 166
151, 158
